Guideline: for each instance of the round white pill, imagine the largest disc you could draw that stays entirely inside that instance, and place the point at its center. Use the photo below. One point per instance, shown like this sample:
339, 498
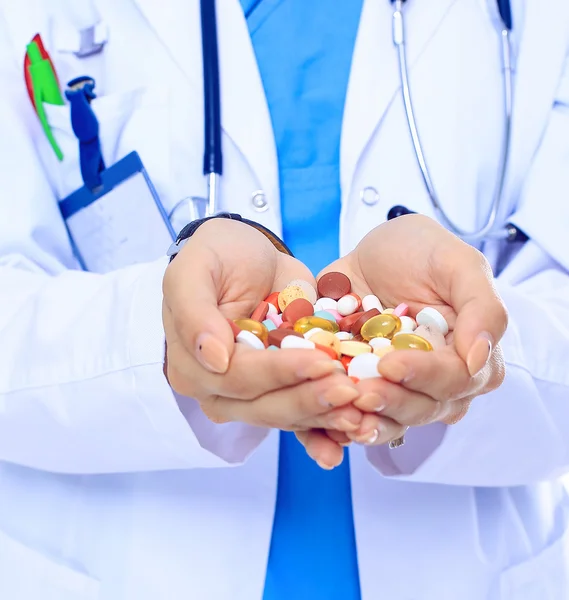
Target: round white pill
326, 304
379, 342
364, 366
249, 339
347, 305
371, 301
431, 317
293, 341
272, 309
408, 325
312, 331
343, 336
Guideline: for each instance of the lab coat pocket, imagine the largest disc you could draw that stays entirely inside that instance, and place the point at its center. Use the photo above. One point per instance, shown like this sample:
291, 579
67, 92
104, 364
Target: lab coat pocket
542, 577
26, 574
132, 120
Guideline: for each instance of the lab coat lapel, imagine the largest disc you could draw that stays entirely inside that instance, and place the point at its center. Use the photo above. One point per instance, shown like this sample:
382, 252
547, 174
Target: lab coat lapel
245, 116
374, 80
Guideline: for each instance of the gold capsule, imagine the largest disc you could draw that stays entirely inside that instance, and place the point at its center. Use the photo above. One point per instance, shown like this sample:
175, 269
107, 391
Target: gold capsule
385, 326
351, 348
305, 324
410, 341
256, 328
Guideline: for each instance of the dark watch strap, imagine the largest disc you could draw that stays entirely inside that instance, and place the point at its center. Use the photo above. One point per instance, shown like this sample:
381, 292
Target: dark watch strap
191, 228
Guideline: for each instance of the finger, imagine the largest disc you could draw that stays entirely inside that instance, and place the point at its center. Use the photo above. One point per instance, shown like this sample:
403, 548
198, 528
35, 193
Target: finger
324, 451
482, 317
441, 374
392, 400
339, 437
289, 407
377, 430
251, 373
343, 419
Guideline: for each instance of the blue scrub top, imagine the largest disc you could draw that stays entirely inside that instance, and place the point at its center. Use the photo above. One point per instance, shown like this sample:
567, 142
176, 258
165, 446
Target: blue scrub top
304, 52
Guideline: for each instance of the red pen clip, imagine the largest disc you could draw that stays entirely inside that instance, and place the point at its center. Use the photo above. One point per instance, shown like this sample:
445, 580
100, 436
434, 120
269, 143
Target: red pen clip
29, 84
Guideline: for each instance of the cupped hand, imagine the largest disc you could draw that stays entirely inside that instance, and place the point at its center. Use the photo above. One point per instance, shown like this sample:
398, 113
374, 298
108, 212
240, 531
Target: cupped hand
414, 260
223, 272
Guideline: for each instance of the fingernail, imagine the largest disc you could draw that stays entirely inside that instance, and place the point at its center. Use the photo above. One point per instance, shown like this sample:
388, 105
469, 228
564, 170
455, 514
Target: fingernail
211, 353
325, 466
317, 370
479, 354
395, 371
339, 396
371, 438
371, 401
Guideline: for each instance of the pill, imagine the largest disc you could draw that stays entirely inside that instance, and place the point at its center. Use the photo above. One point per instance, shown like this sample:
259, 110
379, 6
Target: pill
247, 338
387, 311
306, 323
352, 348
324, 314
370, 301
354, 379
365, 317
273, 310
347, 305
273, 299
325, 338
292, 341
346, 360
269, 324
382, 351
346, 323
290, 293
410, 341
408, 324
275, 318
286, 325
431, 317
343, 335
254, 327
326, 304
272, 348
328, 350
334, 285
312, 331
260, 313
364, 366
307, 288
379, 342
337, 316
432, 335
277, 336
234, 328
381, 326
297, 309
401, 310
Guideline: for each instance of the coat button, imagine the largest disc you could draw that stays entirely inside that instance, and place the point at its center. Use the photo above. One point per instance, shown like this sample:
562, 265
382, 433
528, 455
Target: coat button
369, 196
259, 201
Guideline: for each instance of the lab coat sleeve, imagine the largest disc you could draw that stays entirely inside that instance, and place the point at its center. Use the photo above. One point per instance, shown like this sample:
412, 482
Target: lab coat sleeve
82, 388
520, 433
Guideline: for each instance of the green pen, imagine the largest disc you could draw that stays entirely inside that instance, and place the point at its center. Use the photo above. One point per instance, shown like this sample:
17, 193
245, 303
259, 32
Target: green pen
45, 89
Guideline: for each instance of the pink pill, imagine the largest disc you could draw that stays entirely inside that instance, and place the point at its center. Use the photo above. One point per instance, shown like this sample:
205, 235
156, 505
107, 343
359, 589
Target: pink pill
401, 310
275, 318
335, 314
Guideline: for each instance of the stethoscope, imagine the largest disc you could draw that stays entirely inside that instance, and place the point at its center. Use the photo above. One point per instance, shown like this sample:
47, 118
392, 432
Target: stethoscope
213, 163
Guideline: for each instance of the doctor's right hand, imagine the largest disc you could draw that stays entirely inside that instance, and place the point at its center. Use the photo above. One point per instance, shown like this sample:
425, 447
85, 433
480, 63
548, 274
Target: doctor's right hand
223, 272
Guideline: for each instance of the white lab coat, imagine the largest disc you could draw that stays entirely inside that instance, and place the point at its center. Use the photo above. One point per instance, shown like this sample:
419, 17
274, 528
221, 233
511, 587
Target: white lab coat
113, 489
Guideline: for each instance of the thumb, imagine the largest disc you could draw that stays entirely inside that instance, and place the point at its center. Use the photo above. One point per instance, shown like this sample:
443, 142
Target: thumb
191, 290
482, 317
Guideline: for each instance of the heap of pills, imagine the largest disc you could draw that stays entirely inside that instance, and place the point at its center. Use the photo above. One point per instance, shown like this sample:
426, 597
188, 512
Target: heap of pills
355, 332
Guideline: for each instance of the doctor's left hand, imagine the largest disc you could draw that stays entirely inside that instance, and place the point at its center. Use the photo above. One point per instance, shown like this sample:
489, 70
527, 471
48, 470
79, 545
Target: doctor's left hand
414, 260
223, 272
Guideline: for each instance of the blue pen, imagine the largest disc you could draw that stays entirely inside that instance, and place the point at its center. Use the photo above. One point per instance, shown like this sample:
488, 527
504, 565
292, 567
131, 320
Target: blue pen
84, 122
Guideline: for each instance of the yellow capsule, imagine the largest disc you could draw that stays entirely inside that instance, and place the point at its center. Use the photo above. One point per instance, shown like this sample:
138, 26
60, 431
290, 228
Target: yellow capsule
254, 327
307, 323
385, 326
290, 293
352, 348
410, 341
387, 311
326, 338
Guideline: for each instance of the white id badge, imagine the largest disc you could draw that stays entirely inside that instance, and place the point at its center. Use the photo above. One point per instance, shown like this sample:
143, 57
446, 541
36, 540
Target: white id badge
120, 223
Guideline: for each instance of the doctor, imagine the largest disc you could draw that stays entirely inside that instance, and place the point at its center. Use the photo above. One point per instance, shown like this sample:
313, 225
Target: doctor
114, 487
